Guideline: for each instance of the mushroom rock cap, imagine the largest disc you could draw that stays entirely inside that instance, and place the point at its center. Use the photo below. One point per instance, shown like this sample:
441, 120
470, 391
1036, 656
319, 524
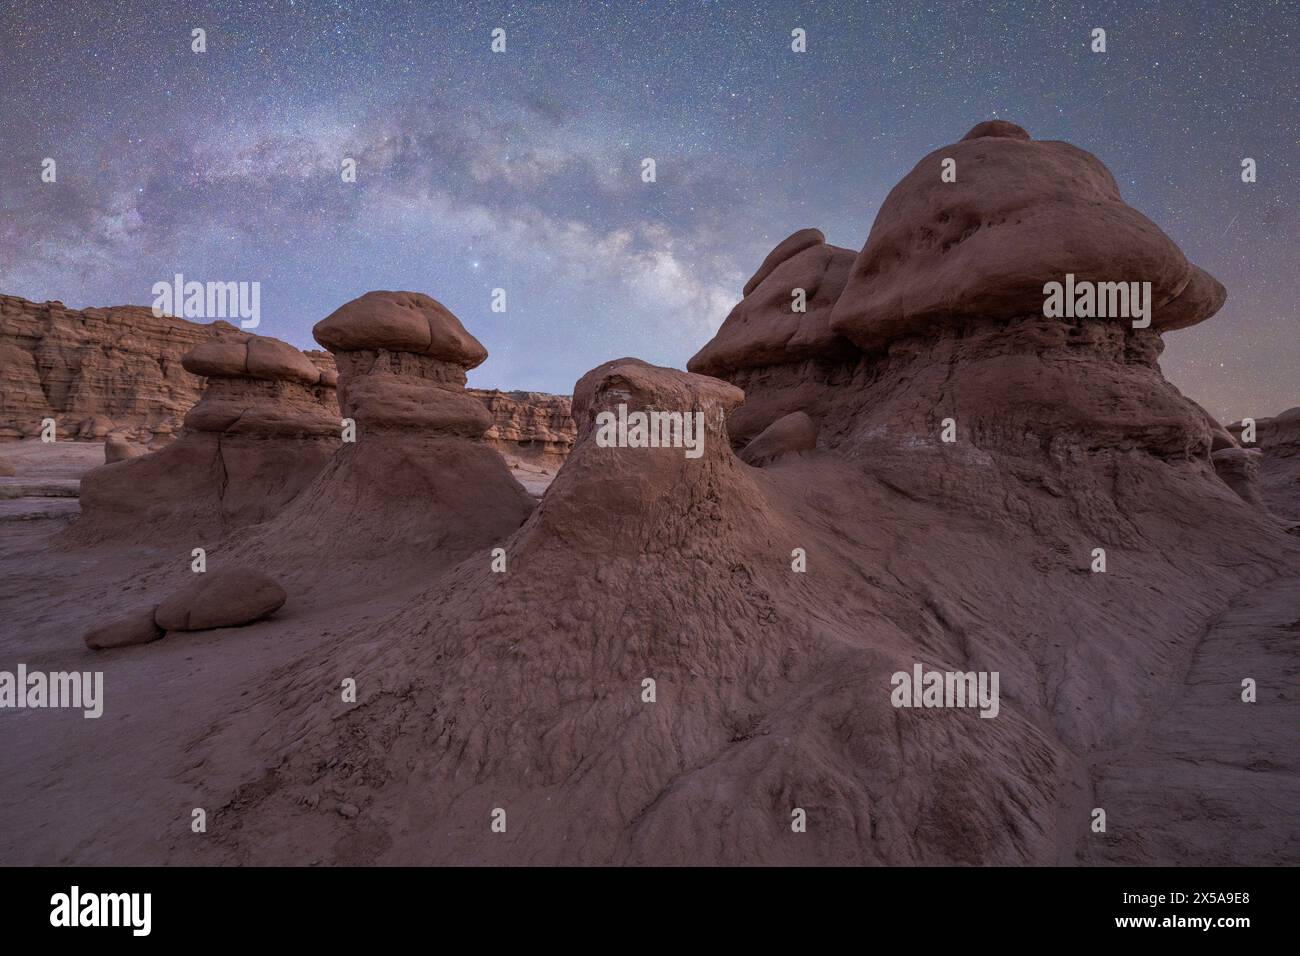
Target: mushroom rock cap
257, 356
791, 245
1020, 214
1000, 128
762, 329
400, 322
642, 386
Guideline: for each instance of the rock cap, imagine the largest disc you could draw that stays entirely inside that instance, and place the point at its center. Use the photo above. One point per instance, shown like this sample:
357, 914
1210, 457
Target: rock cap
400, 322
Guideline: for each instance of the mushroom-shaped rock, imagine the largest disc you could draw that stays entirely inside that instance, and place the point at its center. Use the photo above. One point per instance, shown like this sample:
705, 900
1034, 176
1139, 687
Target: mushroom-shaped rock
225, 598
795, 432
400, 322
785, 315
135, 627
619, 489
628, 385
418, 489
1020, 213
265, 424
402, 358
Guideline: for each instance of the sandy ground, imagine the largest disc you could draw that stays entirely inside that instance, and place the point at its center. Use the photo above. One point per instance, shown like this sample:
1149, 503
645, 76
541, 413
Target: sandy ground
45, 485
64, 777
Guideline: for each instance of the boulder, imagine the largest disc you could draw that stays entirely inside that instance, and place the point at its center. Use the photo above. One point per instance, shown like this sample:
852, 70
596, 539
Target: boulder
135, 627
791, 433
117, 448
226, 598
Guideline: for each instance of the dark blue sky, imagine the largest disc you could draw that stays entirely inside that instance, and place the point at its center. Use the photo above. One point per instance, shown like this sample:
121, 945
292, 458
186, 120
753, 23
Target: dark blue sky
522, 170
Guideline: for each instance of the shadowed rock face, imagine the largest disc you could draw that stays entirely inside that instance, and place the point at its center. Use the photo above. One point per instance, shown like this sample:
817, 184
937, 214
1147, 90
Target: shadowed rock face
263, 428
1277, 470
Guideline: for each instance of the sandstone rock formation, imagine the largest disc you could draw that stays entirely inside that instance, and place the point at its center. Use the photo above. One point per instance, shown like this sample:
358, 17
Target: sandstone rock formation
1019, 214
683, 652
532, 426
118, 449
795, 432
680, 654
227, 598
97, 371
419, 489
134, 627
1278, 439
264, 427
763, 339
1239, 469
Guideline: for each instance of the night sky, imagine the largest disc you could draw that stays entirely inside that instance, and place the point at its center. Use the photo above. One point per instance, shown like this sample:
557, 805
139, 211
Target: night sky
522, 170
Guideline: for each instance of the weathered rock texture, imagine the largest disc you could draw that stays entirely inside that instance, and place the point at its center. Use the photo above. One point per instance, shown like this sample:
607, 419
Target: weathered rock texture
125, 630
419, 489
532, 426
231, 597
118, 372
678, 653
1021, 213
265, 425
526, 690
1278, 468
97, 371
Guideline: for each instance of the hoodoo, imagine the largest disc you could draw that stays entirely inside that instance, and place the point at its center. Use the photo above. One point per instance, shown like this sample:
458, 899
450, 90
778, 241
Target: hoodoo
419, 489
944, 467
262, 429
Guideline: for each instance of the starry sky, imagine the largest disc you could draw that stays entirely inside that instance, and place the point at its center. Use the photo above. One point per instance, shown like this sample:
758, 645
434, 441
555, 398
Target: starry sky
522, 170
